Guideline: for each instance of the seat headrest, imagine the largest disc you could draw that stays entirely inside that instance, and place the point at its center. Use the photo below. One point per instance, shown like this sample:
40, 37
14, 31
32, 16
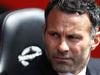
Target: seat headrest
21, 36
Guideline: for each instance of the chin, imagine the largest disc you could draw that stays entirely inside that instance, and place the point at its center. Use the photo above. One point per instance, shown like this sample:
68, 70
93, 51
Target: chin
63, 68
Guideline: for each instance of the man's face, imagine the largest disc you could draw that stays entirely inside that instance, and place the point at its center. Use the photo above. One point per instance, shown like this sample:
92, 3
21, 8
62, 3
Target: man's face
67, 40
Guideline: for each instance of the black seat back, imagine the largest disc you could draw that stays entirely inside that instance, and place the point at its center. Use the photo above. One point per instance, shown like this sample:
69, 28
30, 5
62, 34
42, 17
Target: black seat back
21, 39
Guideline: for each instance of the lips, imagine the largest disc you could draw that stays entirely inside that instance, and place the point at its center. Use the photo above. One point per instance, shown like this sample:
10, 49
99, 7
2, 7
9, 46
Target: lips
62, 59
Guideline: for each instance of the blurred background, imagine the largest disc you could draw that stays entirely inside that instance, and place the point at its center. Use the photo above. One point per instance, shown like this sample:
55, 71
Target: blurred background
10, 5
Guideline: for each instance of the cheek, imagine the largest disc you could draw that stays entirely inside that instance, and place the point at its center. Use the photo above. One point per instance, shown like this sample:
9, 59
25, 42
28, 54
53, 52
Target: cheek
86, 52
84, 49
80, 49
50, 47
50, 44
80, 53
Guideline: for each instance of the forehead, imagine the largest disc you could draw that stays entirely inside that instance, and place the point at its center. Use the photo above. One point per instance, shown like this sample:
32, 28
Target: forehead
57, 18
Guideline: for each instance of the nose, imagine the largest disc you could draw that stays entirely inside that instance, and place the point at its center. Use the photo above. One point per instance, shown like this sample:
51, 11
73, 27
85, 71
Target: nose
63, 46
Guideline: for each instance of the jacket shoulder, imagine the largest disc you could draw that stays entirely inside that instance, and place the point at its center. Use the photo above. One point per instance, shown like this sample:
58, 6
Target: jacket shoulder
94, 66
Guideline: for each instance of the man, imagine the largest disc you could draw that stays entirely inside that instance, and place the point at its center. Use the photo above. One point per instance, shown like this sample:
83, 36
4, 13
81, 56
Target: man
70, 34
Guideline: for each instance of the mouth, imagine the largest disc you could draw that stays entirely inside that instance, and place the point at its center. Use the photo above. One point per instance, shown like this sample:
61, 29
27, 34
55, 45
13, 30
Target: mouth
62, 59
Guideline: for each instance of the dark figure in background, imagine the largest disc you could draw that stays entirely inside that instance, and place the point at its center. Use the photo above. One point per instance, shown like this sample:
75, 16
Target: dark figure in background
70, 34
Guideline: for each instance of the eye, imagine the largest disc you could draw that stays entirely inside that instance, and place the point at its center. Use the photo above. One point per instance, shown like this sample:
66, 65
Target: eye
74, 38
54, 34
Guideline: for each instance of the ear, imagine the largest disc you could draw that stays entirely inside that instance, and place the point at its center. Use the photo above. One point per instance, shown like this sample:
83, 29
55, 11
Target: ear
96, 40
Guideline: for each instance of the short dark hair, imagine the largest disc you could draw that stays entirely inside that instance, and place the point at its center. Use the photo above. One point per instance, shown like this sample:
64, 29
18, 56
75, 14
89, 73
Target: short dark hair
80, 6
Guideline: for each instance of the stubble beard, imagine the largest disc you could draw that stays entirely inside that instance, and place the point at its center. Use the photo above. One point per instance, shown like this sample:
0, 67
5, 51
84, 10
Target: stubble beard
71, 66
